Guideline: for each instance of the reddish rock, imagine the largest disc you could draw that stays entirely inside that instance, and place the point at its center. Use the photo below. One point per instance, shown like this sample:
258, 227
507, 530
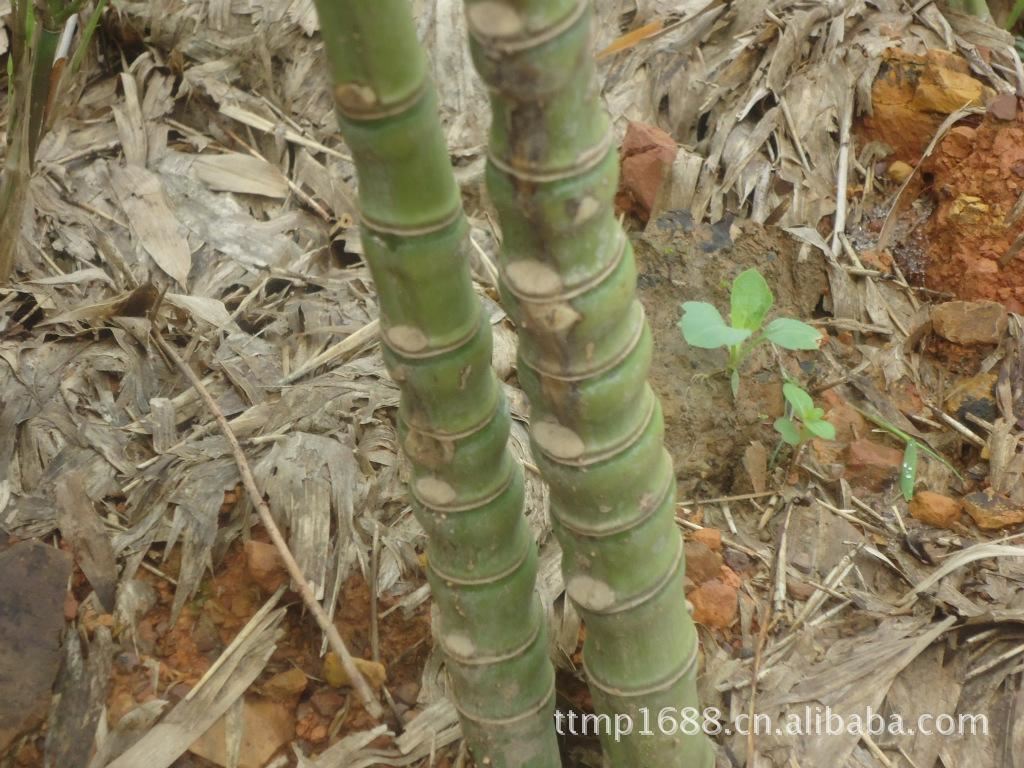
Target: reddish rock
970, 322
327, 702
729, 577
991, 510
1003, 107
906, 397
647, 155
285, 685
709, 537
935, 509
959, 142
849, 425
702, 563
265, 565
799, 590
714, 604
872, 463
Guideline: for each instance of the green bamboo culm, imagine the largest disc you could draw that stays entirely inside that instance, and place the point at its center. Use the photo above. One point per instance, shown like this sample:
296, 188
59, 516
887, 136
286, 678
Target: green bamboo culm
466, 488
569, 282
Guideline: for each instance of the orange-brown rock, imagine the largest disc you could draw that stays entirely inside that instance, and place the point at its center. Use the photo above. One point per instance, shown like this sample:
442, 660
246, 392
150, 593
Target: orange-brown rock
849, 426
715, 604
647, 155
702, 562
991, 510
265, 565
709, 537
935, 509
871, 463
374, 672
970, 322
799, 590
286, 684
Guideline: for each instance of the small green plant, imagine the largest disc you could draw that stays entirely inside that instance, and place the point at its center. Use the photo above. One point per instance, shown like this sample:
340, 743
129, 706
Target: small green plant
751, 299
35, 31
805, 420
908, 468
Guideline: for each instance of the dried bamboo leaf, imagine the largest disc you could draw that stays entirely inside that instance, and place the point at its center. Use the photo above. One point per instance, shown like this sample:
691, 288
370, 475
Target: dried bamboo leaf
235, 172
82, 528
142, 197
131, 124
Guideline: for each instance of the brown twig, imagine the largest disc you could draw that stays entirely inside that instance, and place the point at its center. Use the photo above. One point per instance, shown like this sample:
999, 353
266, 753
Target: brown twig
305, 590
766, 623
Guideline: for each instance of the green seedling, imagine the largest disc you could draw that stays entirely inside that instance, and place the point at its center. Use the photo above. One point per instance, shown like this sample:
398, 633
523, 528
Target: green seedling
806, 421
908, 467
751, 298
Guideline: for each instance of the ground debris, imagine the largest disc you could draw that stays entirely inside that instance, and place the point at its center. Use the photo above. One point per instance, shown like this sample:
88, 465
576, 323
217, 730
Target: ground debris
34, 578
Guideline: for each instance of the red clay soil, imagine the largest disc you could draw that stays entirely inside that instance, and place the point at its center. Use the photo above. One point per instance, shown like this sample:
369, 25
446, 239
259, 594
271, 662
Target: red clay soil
978, 178
912, 95
975, 175
315, 714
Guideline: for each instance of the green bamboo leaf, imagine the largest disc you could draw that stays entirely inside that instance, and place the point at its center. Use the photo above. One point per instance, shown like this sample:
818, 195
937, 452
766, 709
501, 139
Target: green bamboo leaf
800, 401
821, 428
703, 327
792, 334
1015, 14
788, 430
908, 471
750, 301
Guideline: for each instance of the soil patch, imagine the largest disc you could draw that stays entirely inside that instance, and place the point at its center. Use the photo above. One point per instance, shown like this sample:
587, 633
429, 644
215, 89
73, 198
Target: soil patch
706, 431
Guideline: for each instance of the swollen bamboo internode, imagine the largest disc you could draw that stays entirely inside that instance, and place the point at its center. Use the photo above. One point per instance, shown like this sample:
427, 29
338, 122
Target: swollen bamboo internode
568, 280
466, 488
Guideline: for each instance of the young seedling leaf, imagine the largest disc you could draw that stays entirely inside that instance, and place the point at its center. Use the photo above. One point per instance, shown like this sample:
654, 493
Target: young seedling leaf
821, 428
734, 383
892, 429
750, 301
800, 401
792, 334
908, 471
703, 327
788, 430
